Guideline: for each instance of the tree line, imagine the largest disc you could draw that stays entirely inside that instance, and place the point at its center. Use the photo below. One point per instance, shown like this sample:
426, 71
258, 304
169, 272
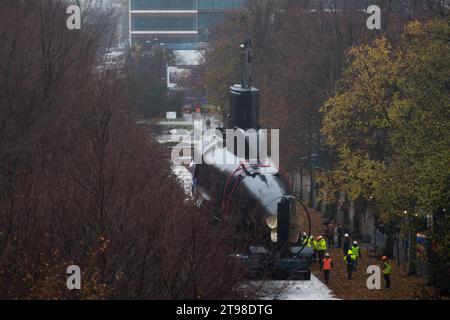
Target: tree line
373, 104
81, 183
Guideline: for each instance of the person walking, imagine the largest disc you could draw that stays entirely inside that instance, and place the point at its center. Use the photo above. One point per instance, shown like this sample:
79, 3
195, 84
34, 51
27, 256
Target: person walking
346, 245
357, 252
305, 240
386, 267
321, 247
326, 265
329, 234
339, 234
349, 259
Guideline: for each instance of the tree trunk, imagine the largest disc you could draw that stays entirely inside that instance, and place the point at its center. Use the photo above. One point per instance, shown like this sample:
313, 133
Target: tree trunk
389, 246
412, 252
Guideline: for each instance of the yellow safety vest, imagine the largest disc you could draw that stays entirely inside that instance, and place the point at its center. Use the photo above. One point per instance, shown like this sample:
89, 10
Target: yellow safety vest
322, 245
387, 267
355, 250
315, 245
352, 256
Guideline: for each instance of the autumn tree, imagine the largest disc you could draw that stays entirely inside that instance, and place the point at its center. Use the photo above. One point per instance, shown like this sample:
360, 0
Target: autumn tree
388, 121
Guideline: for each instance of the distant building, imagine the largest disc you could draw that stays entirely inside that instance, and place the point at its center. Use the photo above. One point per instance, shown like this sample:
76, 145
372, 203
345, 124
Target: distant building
182, 26
178, 24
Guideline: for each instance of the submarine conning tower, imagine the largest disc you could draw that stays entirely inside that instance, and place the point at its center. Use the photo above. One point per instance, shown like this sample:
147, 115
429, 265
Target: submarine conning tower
244, 99
244, 114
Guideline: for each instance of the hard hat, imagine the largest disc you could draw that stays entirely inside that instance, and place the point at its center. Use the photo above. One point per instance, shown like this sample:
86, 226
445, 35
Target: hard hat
383, 258
355, 242
304, 233
318, 238
346, 235
327, 254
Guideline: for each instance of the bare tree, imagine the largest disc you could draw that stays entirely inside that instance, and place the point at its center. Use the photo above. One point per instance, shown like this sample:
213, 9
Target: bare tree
82, 183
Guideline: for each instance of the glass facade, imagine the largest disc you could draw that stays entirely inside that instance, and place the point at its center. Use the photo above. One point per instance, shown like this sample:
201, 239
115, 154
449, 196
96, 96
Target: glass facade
220, 4
209, 20
164, 23
178, 21
163, 5
186, 4
147, 41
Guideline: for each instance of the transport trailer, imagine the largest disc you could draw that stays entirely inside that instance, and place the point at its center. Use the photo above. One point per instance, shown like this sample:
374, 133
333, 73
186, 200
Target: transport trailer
264, 264
282, 261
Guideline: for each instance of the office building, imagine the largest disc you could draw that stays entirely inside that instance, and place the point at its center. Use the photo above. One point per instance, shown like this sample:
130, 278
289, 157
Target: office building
177, 23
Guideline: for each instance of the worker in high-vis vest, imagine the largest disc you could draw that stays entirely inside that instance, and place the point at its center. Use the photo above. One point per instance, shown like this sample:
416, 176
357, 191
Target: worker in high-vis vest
357, 252
326, 265
306, 240
386, 267
321, 247
346, 244
350, 259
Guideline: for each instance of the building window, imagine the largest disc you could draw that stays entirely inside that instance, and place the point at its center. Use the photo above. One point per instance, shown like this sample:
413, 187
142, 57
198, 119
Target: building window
148, 41
164, 24
210, 20
220, 4
163, 5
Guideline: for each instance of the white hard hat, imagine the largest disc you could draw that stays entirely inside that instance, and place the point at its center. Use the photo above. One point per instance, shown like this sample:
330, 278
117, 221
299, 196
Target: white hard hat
304, 233
346, 235
355, 242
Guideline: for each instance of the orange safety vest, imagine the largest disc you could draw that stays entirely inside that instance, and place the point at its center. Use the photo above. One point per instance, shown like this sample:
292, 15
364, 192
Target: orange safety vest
326, 264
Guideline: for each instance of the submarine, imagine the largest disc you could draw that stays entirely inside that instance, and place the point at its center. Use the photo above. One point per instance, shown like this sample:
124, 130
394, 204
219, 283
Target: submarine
242, 184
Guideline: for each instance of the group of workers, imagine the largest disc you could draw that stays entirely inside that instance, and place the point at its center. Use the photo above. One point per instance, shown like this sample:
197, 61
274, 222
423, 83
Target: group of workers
351, 251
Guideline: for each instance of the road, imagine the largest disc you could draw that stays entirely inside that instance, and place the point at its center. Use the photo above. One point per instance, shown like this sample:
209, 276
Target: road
313, 289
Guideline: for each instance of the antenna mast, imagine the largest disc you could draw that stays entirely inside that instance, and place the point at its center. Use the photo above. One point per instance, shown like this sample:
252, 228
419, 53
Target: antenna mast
246, 64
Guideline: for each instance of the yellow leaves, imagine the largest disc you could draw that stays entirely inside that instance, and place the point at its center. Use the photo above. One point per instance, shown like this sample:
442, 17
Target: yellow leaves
369, 60
364, 175
388, 118
331, 182
414, 28
363, 96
